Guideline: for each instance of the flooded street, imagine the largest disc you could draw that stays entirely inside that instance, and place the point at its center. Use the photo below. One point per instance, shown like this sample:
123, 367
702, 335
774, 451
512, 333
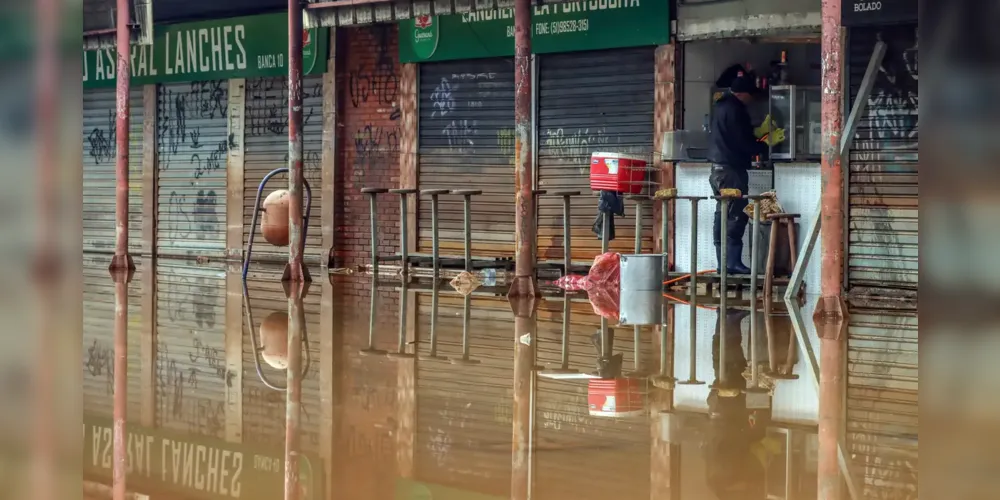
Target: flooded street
416, 391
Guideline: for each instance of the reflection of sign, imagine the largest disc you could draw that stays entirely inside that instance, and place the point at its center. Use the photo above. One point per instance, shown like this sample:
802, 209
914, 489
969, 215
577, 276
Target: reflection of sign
205, 468
555, 27
238, 47
865, 12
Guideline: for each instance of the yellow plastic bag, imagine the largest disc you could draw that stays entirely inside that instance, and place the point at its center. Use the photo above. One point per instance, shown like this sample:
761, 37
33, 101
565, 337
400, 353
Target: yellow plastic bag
775, 137
766, 126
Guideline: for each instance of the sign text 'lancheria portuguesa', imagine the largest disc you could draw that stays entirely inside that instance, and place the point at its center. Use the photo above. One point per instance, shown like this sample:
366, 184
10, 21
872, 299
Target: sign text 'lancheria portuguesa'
555, 27
159, 462
239, 47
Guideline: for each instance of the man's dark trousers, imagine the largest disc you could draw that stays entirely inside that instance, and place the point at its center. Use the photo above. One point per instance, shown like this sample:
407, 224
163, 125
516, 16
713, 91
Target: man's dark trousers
726, 177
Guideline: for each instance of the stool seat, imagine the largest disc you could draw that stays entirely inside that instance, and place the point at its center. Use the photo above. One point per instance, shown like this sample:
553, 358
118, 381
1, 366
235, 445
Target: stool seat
465, 361
403, 191
433, 192
639, 197
692, 197
783, 216
467, 192
374, 190
565, 193
539, 192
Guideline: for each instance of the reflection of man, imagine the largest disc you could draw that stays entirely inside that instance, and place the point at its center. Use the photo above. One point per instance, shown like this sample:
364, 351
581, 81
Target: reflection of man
731, 149
734, 470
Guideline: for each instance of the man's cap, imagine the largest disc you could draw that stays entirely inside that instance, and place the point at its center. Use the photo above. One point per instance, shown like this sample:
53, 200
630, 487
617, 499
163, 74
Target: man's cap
743, 84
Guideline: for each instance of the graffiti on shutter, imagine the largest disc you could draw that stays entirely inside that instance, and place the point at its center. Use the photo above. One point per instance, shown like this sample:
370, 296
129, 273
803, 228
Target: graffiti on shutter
193, 145
883, 192
590, 102
99, 177
467, 142
266, 148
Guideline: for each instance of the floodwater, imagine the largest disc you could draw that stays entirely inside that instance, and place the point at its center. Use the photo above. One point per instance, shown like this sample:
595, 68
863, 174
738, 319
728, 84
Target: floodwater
596, 406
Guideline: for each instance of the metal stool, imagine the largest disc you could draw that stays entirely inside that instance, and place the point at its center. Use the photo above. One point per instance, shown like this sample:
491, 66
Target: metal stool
567, 228
372, 195
433, 355
465, 360
692, 377
777, 220
639, 199
435, 244
401, 340
371, 350
404, 251
467, 195
671, 195
563, 368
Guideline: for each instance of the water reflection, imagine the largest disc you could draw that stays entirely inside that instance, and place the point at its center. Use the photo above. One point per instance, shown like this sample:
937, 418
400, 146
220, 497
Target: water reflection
415, 390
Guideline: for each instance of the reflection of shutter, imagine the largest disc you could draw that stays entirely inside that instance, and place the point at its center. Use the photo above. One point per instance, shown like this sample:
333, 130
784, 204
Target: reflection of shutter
99, 337
572, 439
467, 142
590, 102
99, 170
266, 148
193, 145
882, 416
264, 408
191, 350
464, 412
883, 165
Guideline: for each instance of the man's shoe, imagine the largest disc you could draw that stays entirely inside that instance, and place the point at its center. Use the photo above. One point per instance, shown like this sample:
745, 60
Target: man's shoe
738, 268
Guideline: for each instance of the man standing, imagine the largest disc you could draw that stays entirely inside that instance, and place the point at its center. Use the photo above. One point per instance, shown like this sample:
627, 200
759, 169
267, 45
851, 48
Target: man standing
732, 148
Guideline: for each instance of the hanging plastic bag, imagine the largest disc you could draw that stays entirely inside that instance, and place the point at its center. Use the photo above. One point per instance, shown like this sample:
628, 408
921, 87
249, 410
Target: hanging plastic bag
606, 271
573, 282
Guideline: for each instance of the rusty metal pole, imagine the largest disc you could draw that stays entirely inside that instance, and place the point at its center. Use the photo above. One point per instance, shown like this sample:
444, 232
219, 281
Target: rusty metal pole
295, 271
122, 260
830, 313
120, 377
525, 325
293, 395
524, 222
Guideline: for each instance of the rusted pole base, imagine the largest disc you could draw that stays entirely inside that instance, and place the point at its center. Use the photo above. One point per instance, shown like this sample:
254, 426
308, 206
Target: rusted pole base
98, 490
295, 272
831, 318
523, 287
122, 263
296, 292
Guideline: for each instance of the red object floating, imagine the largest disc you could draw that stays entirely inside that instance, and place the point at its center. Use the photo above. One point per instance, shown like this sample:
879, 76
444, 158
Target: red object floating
274, 337
274, 223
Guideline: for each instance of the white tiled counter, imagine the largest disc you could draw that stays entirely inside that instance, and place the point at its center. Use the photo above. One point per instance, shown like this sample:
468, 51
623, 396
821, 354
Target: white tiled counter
798, 186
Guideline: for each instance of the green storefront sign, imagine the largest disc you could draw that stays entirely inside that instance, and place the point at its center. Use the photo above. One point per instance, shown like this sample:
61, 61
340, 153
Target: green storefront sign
555, 27
238, 47
195, 467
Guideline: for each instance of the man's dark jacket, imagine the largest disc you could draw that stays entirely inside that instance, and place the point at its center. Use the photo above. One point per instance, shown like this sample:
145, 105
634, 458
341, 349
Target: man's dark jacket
731, 141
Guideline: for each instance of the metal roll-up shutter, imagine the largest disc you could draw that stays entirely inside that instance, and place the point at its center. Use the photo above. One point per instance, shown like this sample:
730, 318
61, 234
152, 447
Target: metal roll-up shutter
467, 142
99, 147
883, 203
193, 145
571, 438
590, 102
263, 407
464, 412
882, 399
266, 148
191, 350
99, 337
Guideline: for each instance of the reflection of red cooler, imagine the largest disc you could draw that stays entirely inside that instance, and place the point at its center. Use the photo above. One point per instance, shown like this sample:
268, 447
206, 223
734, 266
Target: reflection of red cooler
616, 172
620, 397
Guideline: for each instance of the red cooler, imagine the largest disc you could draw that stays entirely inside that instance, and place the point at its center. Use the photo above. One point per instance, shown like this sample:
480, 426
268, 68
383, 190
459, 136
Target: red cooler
617, 172
620, 397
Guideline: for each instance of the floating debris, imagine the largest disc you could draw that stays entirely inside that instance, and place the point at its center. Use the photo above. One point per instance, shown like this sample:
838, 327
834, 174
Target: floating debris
466, 283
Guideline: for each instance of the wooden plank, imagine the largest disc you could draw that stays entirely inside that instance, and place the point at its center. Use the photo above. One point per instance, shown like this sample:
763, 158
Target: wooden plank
234, 251
147, 391
329, 345
328, 195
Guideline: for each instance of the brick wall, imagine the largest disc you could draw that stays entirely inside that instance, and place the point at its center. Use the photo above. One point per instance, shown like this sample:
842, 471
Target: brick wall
368, 75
